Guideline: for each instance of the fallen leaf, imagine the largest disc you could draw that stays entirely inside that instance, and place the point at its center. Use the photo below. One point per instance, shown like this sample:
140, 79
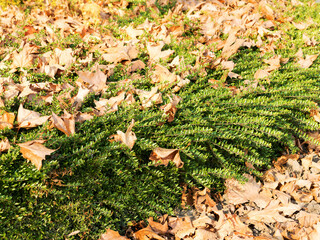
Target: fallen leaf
29, 119
170, 109
35, 152
163, 156
4, 145
65, 123
96, 80
308, 61
148, 98
237, 193
261, 74
147, 234
128, 138
112, 235
6, 120
155, 52
24, 59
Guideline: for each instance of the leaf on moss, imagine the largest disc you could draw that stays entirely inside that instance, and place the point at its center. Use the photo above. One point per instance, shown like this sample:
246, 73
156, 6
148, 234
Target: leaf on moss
65, 123
29, 119
170, 109
6, 120
35, 152
129, 138
4, 145
162, 156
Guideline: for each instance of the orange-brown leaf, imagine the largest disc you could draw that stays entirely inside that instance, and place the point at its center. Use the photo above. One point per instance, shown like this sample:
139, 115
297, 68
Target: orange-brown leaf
163, 156
35, 152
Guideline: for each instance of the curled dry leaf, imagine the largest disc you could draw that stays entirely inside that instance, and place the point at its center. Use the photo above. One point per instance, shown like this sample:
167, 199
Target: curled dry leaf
237, 193
24, 58
96, 80
29, 119
65, 124
6, 120
148, 98
315, 114
308, 61
35, 152
147, 234
4, 145
261, 74
112, 235
163, 156
155, 52
171, 108
109, 105
128, 138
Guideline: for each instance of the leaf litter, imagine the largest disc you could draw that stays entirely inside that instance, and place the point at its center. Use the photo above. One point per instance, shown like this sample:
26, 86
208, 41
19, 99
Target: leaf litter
283, 205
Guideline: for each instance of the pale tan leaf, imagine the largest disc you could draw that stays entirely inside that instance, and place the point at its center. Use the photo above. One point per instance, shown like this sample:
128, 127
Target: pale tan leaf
65, 123
147, 234
129, 138
29, 119
268, 215
4, 145
148, 98
35, 152
79, 98
261, 74
96, 80
155, 52
308, 61
23, 59
163, 156
170, 109
238, 193
112, 235
6, 119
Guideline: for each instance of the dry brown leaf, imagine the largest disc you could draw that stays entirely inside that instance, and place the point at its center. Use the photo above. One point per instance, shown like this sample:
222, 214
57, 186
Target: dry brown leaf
29, 119
6, 120
182, 227
147, 234
237, 193
163, 156
261, 74
24, 59
308, 61
112, 235
128, 138
309, 42
148, 98
158, 227
231, 47
170, 109
4, 145
65, 123
79, 98
155, 52
35, 152
96, 80
137, 65
109, 105
270, 214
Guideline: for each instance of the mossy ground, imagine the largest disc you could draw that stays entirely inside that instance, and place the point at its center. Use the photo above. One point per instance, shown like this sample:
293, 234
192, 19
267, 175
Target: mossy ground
105, 185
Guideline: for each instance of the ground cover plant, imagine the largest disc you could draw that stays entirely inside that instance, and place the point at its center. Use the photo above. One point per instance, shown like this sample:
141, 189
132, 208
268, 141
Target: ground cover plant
110, 110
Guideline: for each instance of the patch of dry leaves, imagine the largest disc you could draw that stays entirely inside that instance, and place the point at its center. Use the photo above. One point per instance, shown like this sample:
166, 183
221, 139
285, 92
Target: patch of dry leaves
285, 204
